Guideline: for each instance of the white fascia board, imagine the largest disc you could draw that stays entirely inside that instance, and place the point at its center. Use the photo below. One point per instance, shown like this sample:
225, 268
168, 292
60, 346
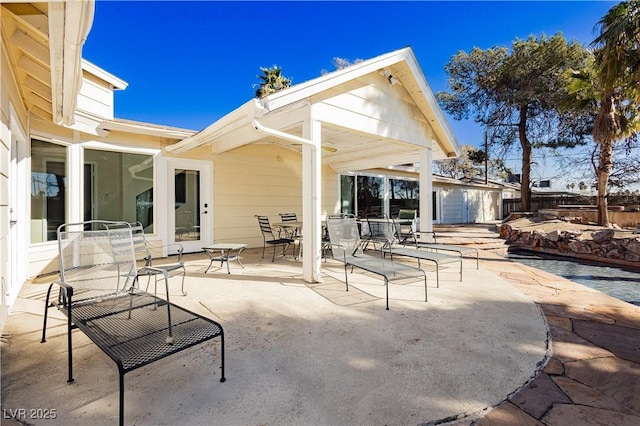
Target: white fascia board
239, 117
115, 82
317, 85
69, 25
56, 47
433, 104
141, 128
77, 23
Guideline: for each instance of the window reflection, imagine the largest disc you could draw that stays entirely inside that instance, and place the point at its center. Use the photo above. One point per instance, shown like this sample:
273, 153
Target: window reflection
48, 190
118, 186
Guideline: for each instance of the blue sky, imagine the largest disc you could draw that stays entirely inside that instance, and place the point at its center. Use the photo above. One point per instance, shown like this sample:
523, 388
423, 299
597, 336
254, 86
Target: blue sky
190, 63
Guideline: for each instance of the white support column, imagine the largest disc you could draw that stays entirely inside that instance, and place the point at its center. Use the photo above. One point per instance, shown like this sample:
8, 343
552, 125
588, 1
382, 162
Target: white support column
75, 194
311, 196
426, 188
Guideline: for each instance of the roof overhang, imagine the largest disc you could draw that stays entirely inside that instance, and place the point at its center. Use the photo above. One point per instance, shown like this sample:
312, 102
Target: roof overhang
141, 128
355, 136
44, 44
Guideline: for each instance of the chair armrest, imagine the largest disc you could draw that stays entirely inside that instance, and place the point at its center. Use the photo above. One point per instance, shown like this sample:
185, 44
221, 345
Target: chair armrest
68, 291
344, 251
178, 247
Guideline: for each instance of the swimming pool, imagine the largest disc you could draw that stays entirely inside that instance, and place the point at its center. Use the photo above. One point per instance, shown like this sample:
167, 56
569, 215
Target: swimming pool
616, 281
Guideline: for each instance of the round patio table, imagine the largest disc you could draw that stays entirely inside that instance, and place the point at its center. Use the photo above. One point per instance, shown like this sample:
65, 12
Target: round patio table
225, 250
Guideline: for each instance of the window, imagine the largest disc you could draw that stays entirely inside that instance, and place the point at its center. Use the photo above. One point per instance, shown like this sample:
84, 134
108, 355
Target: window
48, 190
118, 186
370, 201
403, 194
347, 194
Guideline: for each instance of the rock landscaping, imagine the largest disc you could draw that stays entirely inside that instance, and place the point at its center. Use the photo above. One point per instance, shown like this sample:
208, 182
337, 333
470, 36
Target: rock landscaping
569, 239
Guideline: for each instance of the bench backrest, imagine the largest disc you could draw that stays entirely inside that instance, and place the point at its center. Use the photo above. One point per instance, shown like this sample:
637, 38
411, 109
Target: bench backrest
344, 237
407, 214
96, 258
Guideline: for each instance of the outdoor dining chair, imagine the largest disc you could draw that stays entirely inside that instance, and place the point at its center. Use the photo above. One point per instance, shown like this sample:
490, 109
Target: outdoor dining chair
268, 237
143, 248
405, 226
375, 233
293, 231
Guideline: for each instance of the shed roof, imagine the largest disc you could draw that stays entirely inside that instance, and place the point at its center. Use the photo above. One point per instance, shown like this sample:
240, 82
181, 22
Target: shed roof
376, 113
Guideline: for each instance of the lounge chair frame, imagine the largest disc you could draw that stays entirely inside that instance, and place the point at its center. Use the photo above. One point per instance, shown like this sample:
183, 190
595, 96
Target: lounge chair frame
347, 248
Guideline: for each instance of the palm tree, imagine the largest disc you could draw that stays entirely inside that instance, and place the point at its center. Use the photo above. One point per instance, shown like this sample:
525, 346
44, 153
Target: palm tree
618, 69
272, 81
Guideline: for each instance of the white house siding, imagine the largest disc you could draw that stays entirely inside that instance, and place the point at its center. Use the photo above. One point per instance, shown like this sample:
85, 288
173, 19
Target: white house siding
5, 143
452, 206
482, 205
13, 118
371, 105
260, 180
95, 97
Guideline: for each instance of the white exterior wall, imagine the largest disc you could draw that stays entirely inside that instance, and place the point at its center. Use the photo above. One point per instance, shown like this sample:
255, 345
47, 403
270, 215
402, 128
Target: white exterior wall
460, 204
95, 97
13, 213
483, 205
374, 106
261, 180
452, 206
5, 143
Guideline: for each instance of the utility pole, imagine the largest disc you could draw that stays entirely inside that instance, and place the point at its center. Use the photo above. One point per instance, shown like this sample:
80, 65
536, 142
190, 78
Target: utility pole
486, 158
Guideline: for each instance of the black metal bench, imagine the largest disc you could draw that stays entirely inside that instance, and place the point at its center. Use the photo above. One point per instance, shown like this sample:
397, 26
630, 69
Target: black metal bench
99, 295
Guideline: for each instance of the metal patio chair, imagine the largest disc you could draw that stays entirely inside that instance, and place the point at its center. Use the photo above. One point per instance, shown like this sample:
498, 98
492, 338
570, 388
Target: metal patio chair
143, 248
268, 237
405, 226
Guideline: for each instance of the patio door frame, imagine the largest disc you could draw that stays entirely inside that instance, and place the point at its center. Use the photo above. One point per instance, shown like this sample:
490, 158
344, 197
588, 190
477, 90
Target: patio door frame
205, 169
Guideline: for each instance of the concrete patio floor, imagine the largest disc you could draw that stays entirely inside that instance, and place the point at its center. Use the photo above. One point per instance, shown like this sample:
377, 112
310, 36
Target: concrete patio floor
300, 353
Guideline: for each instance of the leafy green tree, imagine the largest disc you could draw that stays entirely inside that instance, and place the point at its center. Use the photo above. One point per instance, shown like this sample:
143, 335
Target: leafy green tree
618, 72
606, 88
516, 94
463, 166
272, 81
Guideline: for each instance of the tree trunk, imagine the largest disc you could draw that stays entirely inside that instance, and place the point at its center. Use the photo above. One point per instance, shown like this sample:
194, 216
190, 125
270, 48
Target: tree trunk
606, 129
525, 179
604, 169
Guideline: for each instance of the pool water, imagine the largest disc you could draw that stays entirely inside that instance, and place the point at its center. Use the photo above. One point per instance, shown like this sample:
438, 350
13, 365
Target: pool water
616, 281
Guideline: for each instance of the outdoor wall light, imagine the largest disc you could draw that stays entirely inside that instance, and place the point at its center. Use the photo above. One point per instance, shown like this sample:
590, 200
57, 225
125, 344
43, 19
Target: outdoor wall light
392, 80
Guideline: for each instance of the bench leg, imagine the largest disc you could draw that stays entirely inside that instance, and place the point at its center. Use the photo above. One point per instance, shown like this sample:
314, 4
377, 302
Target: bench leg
346, 280
121, 421
46, 310
223, 378
425, 287
386, 284
69, 347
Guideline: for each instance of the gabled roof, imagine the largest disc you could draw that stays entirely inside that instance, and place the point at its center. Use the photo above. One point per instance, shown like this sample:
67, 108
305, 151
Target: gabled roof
384, 103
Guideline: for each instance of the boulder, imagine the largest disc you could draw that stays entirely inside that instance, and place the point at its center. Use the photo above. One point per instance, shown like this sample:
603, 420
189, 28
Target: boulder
602, 236
579, 247
632, 245
553, 236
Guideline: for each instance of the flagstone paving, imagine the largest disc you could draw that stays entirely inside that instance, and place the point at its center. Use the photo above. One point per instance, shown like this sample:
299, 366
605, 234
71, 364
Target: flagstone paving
593, 374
